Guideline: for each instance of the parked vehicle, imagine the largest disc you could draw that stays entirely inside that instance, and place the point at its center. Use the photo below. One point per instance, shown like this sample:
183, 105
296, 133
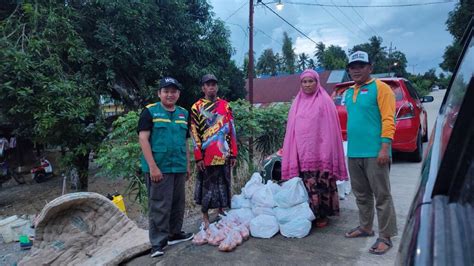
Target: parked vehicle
42, 172
411, 117
440, 228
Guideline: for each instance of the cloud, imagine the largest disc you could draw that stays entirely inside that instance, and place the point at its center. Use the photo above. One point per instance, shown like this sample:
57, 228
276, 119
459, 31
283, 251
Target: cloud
419, 32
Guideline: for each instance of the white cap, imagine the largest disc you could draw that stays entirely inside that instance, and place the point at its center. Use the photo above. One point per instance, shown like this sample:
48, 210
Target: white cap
359, 56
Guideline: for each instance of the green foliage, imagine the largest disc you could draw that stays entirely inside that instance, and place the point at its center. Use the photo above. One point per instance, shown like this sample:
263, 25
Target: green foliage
267, 63
289, 56
424, 83
46, 92
303, 61
330, 58
456, 23
118, 156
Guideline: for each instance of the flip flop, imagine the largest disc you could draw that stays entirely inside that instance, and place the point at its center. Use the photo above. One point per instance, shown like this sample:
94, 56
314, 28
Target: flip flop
362, 233
387, 242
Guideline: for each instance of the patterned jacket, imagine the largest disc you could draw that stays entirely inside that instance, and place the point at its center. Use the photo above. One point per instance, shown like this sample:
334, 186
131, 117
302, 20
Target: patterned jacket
213, 132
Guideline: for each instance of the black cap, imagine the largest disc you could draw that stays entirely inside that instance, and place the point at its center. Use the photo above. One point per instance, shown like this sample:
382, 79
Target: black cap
169, 81
208, 77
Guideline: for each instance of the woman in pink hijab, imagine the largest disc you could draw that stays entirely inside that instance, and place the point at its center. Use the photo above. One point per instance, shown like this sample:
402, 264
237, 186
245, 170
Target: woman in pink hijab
313, 148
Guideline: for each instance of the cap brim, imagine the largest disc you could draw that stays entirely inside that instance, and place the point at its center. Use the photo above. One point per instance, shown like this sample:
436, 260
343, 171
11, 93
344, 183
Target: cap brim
215, 80
170, 84
358, 61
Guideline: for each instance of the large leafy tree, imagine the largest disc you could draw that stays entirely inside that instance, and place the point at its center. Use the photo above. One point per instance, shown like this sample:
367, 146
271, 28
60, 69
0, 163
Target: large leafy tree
288, 54
331, 57
457, 22
267, 63
58, 59
46, 90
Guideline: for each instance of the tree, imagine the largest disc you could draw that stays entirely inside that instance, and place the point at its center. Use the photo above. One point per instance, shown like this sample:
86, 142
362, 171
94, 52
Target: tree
46, 89
311, 63
77, 51
302, 61
331, 57
279, 63
319, 54
376, 51
246, 65
397, 63
456, 24
267, 63
288, 54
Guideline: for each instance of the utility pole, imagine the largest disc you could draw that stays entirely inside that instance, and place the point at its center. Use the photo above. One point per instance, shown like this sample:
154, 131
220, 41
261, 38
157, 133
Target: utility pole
413, 66
250, 74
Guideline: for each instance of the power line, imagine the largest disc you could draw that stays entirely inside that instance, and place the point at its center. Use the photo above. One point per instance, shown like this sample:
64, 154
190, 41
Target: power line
235, 12
391, 5
357, 25
270, 37
370, 27
291, 25
344, 25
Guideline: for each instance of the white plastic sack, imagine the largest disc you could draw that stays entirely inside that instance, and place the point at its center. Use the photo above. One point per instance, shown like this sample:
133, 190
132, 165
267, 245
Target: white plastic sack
264, 226
252, 185
245, 214
298, 228
263, 210
303, 211
263, 197
293, 192
274, 187
239, 201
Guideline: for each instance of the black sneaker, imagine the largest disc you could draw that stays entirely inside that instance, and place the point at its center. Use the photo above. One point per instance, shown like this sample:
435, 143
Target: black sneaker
156, 252
178, 238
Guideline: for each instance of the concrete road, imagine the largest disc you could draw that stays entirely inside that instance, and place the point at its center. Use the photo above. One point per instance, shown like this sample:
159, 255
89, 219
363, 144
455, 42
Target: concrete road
325, 246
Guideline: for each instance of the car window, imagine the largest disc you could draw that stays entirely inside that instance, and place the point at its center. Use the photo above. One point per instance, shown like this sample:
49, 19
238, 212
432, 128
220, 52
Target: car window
459, 86
411, 90
398, 92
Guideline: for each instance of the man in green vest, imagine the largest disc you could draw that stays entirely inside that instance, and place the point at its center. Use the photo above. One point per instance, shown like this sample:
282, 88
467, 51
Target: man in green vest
370, 107
163, 131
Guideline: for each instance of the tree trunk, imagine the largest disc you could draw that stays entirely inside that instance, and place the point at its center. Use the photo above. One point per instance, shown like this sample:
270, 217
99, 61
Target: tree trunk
81, 163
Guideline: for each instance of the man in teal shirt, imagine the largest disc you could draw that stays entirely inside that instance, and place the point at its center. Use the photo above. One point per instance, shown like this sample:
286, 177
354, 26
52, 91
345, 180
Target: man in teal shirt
370, 107
163, 129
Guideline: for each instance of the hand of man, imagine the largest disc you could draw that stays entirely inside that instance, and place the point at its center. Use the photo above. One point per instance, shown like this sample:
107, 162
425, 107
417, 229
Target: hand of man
155, 174
383, 157
200, 166
233, 162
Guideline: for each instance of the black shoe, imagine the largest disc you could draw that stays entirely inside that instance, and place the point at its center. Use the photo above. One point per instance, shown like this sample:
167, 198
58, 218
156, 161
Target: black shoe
178, 238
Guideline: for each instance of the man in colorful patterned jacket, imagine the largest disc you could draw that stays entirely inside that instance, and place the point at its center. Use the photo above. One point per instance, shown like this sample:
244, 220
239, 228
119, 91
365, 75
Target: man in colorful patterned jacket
215, 148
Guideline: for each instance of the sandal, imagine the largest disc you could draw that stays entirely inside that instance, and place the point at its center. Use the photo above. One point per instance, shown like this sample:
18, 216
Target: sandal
361, 233
322, 223
387, 242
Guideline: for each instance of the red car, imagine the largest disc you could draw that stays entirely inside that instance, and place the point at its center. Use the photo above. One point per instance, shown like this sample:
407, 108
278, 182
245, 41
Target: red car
411, 118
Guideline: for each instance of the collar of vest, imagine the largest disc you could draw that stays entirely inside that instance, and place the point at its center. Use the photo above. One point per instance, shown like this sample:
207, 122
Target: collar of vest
367, 82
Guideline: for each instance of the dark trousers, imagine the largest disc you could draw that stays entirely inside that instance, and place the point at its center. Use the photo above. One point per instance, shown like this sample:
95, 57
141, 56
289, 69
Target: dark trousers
166, 201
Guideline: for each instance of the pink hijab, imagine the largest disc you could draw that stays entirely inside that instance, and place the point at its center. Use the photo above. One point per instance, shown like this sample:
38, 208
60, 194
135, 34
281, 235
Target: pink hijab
313, 140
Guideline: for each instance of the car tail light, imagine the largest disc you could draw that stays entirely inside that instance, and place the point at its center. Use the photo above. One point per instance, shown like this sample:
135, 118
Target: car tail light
406, 111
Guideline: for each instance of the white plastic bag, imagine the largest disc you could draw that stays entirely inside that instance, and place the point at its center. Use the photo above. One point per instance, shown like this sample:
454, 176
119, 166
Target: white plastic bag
245, 215
239, 201
293, 192
201, 237
301, 210
257, 210
252, 185
263, 197
298, 228
264, 226
274, 187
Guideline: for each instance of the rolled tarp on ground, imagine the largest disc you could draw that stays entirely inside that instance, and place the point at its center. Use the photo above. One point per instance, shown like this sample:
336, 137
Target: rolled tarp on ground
84, 229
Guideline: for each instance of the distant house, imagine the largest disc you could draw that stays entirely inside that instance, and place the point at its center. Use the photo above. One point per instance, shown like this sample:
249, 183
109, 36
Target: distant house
282, 89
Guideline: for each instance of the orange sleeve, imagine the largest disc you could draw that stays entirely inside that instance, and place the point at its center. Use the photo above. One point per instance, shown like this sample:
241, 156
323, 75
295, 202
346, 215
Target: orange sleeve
386, 103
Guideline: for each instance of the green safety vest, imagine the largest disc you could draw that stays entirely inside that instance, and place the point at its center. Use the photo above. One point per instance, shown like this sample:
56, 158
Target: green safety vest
168, 139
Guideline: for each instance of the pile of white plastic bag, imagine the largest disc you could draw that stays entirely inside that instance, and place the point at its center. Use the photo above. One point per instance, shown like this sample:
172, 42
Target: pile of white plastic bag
270, 208
261, 210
